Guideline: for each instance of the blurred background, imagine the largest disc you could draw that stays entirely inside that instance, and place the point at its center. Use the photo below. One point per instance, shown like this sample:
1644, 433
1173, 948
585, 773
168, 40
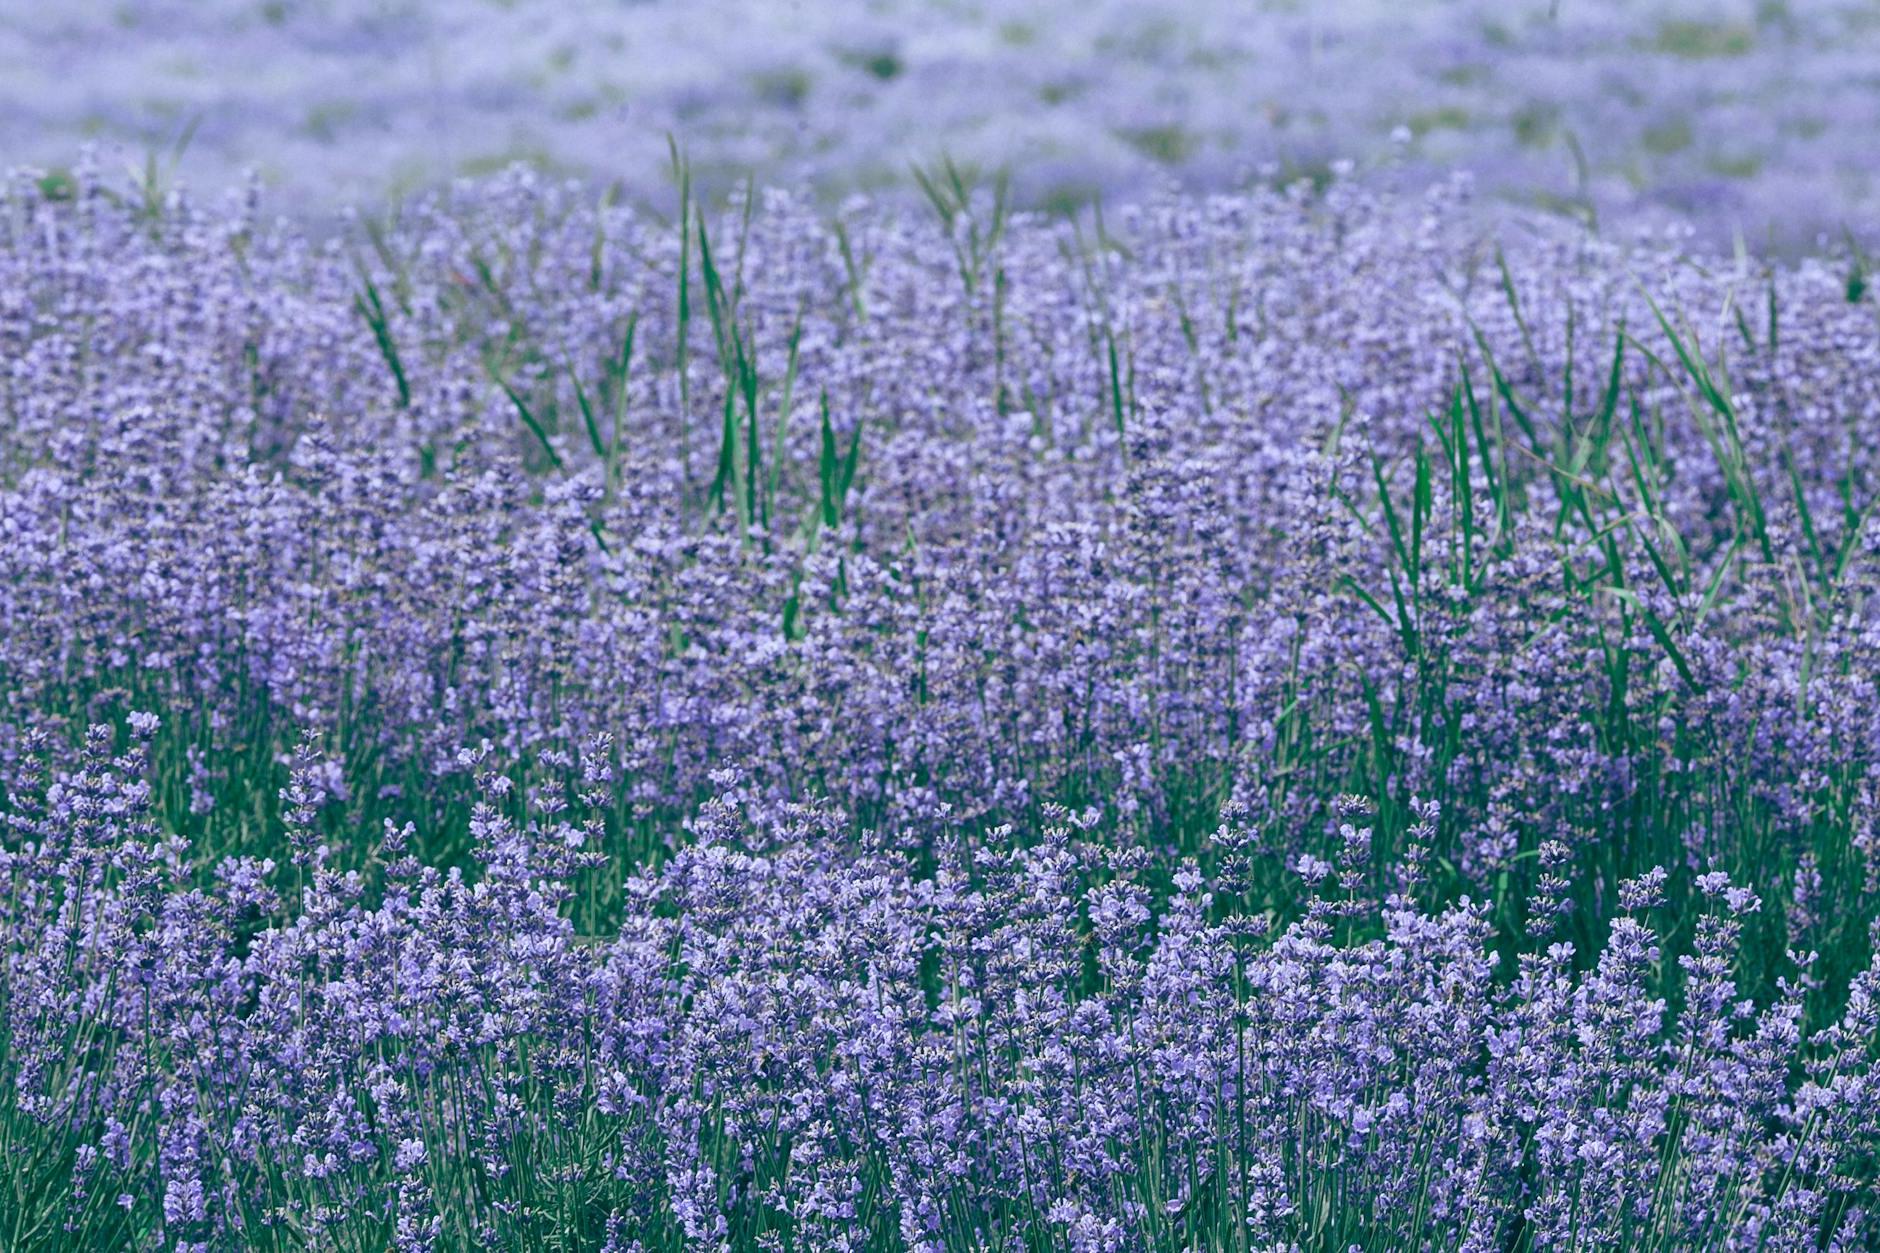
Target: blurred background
1752, 116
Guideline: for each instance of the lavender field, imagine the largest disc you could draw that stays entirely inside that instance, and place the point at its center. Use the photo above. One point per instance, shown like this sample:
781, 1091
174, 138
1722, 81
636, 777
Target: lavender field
1750, 115
1314, 716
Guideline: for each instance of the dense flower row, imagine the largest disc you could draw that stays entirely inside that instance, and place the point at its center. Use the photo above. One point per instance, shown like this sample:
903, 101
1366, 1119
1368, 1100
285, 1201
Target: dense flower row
1045, 585
794, 1041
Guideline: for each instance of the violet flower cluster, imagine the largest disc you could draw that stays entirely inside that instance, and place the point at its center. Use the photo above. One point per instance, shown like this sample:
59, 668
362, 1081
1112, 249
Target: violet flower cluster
1264, 722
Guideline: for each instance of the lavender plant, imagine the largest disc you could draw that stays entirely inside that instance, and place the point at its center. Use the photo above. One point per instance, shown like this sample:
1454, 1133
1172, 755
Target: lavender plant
1260, 722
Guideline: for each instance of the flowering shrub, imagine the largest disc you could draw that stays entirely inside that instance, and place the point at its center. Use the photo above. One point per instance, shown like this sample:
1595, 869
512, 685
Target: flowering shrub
1263, 723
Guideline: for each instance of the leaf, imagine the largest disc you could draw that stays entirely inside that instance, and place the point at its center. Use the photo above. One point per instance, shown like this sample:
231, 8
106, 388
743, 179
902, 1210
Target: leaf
587, 414
528, 419
373, 310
